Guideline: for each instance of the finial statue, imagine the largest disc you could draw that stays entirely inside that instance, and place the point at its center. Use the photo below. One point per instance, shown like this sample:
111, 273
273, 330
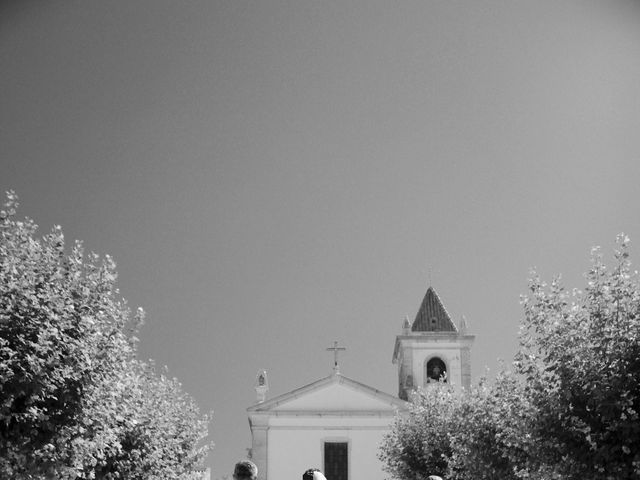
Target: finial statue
406, 325
463, 325
262, 386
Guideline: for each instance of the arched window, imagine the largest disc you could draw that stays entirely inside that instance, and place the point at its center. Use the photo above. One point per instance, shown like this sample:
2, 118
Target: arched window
436, 370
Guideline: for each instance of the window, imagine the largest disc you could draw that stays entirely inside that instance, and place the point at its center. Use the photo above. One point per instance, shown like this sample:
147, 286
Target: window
436, 370
336, 460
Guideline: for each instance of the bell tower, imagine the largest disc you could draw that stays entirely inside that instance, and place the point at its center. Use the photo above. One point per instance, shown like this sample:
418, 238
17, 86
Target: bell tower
432, 349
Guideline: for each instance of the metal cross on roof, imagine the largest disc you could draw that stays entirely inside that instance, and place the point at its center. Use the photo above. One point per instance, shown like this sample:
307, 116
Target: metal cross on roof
335, 350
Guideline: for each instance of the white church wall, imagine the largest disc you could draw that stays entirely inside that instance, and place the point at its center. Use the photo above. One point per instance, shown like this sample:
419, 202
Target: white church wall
294, 422
289, 431
293, 450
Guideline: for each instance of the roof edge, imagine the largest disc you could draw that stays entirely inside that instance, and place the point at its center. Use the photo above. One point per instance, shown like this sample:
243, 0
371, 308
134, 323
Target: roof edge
333, 378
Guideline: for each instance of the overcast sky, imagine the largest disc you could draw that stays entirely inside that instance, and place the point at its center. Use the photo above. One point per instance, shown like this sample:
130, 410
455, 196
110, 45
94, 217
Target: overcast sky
274, 176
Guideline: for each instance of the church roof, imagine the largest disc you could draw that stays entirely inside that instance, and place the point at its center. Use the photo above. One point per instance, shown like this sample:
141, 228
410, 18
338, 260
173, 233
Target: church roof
335, 393
432, 316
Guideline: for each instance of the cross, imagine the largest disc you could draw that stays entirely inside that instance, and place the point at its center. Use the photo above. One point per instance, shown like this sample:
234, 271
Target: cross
335, 350
430, 274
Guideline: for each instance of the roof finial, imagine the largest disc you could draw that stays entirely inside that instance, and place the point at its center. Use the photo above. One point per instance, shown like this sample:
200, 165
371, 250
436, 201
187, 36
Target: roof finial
335, 349
262, 386
406, 325
463, 325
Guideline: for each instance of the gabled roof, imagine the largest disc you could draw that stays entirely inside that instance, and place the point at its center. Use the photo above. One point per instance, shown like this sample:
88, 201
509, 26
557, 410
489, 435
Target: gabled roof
335, 394
432, 316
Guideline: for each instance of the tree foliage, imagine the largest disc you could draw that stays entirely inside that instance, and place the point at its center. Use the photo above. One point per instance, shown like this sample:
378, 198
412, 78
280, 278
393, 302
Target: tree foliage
419, 445
568, 411
75, 401
490, 440
580, 358
462, 437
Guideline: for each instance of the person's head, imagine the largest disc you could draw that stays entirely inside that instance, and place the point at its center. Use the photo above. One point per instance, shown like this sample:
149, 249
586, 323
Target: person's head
313, 474
245, 470
434, 477
308, 475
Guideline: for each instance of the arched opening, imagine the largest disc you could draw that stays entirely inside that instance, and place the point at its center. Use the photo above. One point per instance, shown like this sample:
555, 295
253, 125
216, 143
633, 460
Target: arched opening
436, 370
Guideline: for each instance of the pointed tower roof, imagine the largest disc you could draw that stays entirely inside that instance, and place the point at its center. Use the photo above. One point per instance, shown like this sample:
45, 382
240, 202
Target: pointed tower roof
432, 316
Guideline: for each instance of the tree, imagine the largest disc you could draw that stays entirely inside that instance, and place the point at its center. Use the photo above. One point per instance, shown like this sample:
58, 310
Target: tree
418, 444
478, 435
570, 409
161, 433
490, 439
75, 401
580, 358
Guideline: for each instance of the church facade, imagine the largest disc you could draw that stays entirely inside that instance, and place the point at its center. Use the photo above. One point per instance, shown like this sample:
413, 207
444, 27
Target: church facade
337, 423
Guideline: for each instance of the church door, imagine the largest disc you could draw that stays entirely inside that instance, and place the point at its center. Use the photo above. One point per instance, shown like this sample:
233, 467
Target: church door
336, 460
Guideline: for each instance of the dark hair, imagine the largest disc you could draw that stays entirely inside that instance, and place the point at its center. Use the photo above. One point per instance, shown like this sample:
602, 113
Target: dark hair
245, 469
308, 475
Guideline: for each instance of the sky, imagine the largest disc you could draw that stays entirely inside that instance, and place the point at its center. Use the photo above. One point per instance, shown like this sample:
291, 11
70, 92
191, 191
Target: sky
274, 176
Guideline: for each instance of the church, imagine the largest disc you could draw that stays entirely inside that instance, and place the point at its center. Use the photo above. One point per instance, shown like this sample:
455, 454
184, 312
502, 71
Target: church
337, 423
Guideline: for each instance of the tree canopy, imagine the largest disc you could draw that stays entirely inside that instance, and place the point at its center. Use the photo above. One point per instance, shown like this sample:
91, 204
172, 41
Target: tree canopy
76, 403
580, 359
569, 410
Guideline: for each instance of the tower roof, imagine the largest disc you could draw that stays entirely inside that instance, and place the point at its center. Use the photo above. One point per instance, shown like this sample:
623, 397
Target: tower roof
432, 316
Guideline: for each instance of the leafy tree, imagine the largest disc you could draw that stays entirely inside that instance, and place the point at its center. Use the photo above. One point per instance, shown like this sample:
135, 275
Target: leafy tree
478, 435
490, 439
570, 410
580, 358
419, 444
74, 401
160, 436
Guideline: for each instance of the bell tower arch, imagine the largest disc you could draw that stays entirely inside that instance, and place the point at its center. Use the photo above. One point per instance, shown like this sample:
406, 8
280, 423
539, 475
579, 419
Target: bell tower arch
432, 349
